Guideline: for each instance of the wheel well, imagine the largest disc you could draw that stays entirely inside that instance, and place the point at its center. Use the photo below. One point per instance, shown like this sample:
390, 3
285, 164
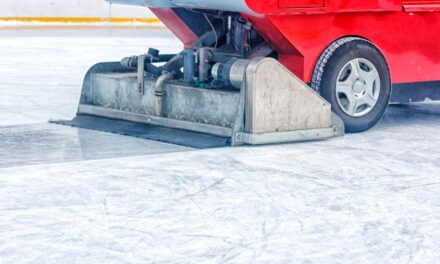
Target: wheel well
328, 51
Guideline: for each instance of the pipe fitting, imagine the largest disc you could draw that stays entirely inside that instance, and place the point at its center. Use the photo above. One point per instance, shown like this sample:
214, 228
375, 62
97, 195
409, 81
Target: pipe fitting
159, 91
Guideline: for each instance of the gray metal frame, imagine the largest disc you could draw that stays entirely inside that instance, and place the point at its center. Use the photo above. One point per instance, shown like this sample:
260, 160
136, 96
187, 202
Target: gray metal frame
153, 120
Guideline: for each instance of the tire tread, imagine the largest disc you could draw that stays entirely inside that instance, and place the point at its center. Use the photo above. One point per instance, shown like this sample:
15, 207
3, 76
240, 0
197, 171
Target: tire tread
318, 72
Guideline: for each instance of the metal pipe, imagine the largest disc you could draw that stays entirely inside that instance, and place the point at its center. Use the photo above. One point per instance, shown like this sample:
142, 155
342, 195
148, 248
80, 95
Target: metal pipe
205, 57
229, 33
189, 68
159, 91
209, 38
132, 62
174, 65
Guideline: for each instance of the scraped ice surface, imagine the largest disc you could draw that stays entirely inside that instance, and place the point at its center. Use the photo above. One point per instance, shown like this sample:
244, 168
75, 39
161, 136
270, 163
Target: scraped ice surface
50, 143
366, 198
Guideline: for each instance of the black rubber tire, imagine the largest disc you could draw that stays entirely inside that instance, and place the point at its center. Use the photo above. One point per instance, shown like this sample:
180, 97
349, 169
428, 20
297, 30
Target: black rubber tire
327, 70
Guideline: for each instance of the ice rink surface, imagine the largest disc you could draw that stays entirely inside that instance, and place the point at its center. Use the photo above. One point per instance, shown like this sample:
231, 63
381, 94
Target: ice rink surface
77, 196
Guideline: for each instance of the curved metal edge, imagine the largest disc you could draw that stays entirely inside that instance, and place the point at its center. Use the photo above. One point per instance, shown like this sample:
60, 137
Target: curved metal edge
146, 3
101, 67
230, 5
256, 62
337, 125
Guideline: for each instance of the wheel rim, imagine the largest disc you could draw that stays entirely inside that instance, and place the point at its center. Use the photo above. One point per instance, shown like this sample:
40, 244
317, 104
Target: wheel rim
358, 87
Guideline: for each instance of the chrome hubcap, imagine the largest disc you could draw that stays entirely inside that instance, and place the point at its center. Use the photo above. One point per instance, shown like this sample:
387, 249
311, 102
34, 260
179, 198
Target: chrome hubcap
358, 87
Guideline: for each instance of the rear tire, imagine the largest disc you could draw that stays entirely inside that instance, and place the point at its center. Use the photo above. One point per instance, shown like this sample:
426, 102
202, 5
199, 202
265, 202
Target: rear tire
353, 75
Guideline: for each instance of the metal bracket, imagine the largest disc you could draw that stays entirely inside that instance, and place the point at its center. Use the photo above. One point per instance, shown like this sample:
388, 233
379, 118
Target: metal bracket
141, 74
240, 116
286, 137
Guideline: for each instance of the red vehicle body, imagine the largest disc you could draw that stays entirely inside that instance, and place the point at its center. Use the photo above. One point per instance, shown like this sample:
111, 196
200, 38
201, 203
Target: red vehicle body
360, 55
406, 32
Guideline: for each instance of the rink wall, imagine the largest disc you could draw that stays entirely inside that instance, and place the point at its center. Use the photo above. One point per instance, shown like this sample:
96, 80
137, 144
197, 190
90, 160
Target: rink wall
72, 11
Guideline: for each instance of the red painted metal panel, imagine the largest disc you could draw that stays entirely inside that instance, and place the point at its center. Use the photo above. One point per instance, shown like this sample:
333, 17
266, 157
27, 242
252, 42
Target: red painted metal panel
300, 3
331, 6
409, 40
421, 5
422, 8
413, 54
176, 25
420, 2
